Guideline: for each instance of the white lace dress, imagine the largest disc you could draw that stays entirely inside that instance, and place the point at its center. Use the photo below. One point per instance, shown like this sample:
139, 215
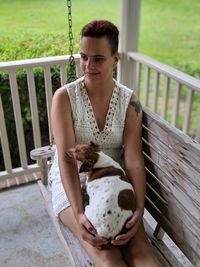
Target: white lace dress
86, 130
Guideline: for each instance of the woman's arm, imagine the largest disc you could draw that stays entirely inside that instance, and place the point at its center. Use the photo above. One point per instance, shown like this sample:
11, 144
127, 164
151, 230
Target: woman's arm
63, 131
133, 157
134, 165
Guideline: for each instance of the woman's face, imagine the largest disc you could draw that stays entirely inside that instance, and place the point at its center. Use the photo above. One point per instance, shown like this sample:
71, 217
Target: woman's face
96, 61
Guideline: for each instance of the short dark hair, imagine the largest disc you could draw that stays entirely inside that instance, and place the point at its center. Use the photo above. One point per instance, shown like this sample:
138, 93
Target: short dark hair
102, 28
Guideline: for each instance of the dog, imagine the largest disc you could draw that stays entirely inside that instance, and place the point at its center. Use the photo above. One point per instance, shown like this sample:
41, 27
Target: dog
111, 195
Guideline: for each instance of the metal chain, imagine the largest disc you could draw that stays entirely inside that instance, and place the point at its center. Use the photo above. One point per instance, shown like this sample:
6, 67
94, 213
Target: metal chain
72, 64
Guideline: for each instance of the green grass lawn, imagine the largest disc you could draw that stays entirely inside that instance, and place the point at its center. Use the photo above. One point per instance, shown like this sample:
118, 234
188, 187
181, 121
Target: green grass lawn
170, 30
33, 28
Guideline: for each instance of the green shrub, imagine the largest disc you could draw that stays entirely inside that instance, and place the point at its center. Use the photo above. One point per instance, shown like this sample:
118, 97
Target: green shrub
28, 46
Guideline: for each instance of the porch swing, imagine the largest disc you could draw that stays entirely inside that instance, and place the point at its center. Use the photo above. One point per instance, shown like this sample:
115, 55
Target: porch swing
162, 202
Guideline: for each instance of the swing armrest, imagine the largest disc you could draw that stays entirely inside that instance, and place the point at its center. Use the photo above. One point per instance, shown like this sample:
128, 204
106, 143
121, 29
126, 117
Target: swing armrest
42, 155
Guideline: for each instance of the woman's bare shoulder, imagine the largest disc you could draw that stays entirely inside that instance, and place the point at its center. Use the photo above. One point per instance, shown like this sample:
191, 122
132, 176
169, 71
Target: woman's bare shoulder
61, 96
61, 92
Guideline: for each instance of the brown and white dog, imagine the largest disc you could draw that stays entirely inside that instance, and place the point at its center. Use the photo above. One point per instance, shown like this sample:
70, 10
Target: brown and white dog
111, 195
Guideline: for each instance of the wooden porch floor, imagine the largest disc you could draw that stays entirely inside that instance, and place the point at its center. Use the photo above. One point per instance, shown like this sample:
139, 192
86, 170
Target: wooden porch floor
28, 237
19, 180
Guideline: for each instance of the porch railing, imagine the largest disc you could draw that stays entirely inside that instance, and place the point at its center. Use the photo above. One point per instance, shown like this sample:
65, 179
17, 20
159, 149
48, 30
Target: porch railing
172, 94
169, 92
28, 65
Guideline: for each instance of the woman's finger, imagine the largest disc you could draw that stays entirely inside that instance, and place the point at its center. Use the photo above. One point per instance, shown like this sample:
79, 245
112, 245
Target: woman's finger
133, 221
89, 227
124, 238
93, 240
89, 235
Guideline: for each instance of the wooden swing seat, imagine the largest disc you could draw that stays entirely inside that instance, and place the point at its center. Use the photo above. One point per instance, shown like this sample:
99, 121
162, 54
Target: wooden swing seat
172, 162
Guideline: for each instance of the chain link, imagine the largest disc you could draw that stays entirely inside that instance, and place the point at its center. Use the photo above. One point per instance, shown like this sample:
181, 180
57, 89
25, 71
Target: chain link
72, 64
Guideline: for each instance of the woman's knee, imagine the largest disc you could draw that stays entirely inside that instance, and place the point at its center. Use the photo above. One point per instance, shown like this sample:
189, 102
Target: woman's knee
102, 258
139, 251
110, 258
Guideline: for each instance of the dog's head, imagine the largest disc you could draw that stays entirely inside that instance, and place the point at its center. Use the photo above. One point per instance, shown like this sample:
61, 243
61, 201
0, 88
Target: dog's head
87, 154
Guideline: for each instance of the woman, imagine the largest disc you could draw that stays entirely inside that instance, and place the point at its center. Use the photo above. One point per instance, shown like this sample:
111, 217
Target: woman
97, 108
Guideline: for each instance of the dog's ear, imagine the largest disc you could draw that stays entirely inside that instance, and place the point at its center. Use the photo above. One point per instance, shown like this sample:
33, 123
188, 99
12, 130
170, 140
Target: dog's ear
94, 145
87, 165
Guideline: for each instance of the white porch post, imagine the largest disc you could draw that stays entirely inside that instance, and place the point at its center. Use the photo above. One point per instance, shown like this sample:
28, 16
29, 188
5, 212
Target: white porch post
128, 40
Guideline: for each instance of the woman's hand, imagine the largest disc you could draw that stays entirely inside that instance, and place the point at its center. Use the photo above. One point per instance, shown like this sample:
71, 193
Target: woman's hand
88, 232
132, 226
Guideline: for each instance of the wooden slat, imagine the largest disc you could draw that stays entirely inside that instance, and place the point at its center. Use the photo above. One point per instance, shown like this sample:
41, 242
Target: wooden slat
197, 137
154, 181
176, 104
4, 141
78, 71
155, 93
63, 74
18, 118
165, 97
48, 91
138, 78
159, 232
156, 197
188, 111
146, 86
34, 108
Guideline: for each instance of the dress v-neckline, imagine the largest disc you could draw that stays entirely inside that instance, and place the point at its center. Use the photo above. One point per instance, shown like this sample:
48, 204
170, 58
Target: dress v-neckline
109, 116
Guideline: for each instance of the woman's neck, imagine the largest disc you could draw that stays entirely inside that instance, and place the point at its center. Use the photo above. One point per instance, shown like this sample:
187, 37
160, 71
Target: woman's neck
102, 88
